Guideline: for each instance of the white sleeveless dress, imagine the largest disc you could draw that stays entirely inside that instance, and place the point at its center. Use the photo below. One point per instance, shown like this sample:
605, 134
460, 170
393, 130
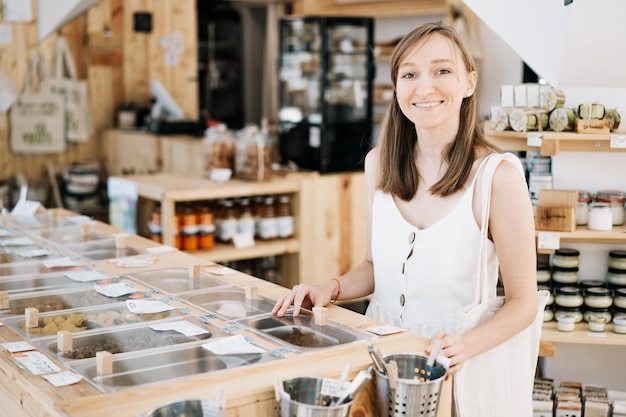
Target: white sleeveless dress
424, 276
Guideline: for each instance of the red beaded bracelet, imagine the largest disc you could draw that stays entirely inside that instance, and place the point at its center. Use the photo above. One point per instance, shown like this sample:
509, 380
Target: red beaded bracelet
338, 290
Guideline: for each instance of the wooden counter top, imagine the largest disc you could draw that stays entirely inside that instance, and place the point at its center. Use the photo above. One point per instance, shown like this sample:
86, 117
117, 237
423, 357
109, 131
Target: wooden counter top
249, 390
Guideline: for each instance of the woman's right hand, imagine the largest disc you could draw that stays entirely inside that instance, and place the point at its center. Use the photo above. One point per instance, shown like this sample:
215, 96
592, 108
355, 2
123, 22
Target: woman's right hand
304, 296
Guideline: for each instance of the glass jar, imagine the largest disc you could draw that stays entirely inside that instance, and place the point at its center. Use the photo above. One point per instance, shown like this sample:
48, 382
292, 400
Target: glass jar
268, 229
189, 228
252, 155
566, 258
245, 223
595, 314
617, 259
284, 217
568, 296
228, 221
582, 208
600, 217
616, 277
543, 274
619, 313
590, 283
154, 224
575, 312
619, 298
206, 228
619, 325
598, 297
565, 275
616, 200
219, 152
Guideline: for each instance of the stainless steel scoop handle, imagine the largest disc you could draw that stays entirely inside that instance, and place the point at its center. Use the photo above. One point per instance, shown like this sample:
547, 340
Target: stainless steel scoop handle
377, 359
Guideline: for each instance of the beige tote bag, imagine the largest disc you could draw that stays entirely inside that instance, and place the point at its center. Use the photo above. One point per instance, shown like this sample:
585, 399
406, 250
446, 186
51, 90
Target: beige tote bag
498, 382
37, 118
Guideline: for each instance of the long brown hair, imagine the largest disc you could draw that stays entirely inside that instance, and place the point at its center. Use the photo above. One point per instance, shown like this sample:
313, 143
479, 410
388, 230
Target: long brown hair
398, 173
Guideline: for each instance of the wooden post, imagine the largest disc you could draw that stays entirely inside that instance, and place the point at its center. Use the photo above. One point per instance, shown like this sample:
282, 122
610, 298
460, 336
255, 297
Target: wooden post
104, 362
120, 240
65, 341
4, 300
321, 316
31, 315
252, 292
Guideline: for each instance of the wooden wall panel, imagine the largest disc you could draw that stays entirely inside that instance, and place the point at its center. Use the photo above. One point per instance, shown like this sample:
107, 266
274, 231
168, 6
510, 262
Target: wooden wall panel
369, 8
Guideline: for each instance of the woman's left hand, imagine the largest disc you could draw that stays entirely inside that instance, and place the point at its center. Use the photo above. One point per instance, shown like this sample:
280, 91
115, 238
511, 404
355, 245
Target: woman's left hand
452, 347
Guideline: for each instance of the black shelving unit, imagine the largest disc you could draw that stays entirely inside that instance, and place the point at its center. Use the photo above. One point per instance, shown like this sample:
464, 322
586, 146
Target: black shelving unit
326, 84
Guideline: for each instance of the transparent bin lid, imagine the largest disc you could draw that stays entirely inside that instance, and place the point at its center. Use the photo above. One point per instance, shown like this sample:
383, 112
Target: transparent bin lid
301, 332
101, 249
38, 282
230, 303
177, 280
42, 221
79, 320
136, 369
69, 234
128, 339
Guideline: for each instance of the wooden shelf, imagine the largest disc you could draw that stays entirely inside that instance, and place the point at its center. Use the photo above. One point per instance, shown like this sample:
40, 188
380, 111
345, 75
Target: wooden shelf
225, 252
550, 336
616, 236
552, 142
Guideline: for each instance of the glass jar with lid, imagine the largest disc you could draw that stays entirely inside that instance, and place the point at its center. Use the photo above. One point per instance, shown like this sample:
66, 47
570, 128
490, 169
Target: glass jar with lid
565, 275
590, 283
619, 298
268, 228
568, 296
219, 152
617, 259
252, 155
598, 297
575, 312
566, 258
600, 217
593, 314
616, 277
582, 207
245, 222
228, 221
543, 274
616, 200
284, 217
619, 312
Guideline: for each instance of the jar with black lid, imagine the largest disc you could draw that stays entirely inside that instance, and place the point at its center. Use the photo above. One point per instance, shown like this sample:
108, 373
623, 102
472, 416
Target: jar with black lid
617, 259
568, 296
619, 312
589, 313
566, 258
619, 298
543, 274
576, 312
567, 276
598, 297
616, 277
590, 283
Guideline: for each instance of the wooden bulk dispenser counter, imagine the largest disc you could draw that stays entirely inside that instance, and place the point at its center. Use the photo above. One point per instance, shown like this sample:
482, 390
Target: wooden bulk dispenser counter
143, 325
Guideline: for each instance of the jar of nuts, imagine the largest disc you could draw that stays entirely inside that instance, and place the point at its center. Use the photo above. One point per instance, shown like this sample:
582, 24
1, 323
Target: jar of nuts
252, 155
219, 153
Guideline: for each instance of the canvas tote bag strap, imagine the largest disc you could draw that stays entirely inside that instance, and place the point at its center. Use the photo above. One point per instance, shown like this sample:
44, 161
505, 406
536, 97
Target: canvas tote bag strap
488, 170
36, 67
64, 66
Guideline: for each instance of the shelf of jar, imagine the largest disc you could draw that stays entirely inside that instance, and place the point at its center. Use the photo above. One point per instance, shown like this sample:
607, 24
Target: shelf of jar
227, 252
550, 336
553, 142
615, 236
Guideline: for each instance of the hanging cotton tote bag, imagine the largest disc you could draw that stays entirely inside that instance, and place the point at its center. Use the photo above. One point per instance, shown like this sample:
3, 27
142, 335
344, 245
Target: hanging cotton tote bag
63, 82
498, 382
37, 117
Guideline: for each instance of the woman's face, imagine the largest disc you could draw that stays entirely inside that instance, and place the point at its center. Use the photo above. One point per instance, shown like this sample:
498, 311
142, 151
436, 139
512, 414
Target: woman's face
432, 82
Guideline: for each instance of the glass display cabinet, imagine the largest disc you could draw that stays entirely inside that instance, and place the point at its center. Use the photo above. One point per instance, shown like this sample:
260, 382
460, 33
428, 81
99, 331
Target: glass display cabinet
325, 99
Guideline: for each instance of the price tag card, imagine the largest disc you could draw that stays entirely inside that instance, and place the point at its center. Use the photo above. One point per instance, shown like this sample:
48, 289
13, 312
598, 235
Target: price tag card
161, 249
333, 387
232, 345
221, 270
181, 326
63, 262
243, 240
14, 347
85, 276
618, 141
597, 335
133, 262
385, 330
534, 139
18, 241
63, 379
26, 208
34, 362
115, 290
5, 232
548, 240
147, 306
34, 253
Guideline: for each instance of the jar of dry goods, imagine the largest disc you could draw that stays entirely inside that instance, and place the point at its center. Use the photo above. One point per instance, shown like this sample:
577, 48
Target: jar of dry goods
246, 217
206, 228
284, 217
616, 200
219, 153
582, 208
189, 228
228, 221
268, 228
252, 155
600, 217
